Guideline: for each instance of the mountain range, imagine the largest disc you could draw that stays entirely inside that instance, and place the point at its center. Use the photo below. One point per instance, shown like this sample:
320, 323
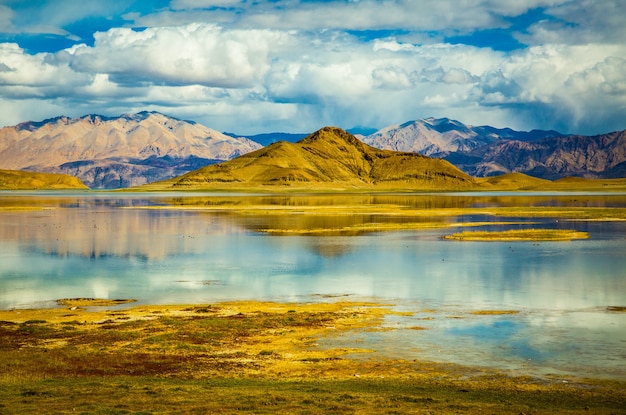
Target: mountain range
135, 149
483, 151
114, 152
486, 151
440, 137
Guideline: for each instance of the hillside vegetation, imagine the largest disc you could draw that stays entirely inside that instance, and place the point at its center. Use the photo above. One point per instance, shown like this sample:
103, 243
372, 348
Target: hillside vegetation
22, 180
330, 158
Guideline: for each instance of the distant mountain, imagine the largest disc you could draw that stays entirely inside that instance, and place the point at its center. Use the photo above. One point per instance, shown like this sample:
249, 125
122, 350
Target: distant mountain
135, 149
113, 152
486, 151
600, 156
438, 137
24, 180
330, 157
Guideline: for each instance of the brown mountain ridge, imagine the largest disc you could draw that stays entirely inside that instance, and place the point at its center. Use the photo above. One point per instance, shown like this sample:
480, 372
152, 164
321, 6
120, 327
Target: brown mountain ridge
328, 158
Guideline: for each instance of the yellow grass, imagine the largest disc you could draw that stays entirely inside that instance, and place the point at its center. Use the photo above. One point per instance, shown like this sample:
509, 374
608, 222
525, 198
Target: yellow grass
252, 357
519, 235
23, 180
494, 312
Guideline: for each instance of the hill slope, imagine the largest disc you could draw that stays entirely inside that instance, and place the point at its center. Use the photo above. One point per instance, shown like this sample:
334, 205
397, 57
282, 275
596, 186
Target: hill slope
327, 158
22, 180
110, 152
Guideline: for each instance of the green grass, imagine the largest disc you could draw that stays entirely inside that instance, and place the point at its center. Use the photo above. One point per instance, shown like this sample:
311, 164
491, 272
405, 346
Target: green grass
150, 395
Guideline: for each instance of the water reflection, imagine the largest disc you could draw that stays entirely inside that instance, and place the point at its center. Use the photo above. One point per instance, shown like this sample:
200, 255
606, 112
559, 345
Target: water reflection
413, 200
98, 233
110, 246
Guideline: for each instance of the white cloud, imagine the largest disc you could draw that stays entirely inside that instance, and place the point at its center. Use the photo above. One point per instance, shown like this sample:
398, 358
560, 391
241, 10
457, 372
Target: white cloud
424, 15
193, 54
582, 22
33, 74
307, 70
391, 77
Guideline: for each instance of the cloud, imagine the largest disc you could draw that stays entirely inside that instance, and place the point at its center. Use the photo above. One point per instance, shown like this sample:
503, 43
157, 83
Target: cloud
193, 54
27, 75
297, 65
580, 23
391, 77
6, 19
451, 76
52, 17
450, 16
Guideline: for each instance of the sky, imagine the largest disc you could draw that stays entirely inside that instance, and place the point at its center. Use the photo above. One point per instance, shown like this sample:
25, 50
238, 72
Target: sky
255, 66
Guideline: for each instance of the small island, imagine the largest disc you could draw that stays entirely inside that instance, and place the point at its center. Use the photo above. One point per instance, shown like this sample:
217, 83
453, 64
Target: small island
519, 235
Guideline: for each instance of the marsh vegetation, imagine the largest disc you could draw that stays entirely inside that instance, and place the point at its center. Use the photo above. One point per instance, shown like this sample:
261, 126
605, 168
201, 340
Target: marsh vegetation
249, 357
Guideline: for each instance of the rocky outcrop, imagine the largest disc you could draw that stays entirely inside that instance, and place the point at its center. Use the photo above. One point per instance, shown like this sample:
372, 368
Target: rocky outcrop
600, 156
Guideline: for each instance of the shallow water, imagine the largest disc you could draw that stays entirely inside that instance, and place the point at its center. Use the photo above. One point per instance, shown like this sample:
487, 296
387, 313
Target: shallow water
112, 246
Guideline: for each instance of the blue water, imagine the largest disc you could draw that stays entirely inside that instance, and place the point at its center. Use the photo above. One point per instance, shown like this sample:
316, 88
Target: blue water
113, 246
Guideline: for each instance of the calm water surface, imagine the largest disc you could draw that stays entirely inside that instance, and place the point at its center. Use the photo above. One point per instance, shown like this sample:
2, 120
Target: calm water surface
115, 246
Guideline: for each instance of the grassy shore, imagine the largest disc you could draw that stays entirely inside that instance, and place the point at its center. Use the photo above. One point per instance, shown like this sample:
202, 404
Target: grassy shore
249, 357
505, 182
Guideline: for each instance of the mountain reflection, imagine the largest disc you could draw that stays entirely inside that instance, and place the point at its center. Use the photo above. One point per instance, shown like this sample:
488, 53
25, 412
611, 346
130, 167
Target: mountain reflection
106, 225
103, 232
407, 200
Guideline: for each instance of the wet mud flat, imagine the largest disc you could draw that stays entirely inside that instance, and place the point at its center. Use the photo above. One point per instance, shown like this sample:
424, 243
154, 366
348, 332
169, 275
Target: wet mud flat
94, 356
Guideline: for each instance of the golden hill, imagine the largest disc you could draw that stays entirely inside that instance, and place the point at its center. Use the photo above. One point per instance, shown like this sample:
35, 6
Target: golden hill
514, 181
327, 159
23, 180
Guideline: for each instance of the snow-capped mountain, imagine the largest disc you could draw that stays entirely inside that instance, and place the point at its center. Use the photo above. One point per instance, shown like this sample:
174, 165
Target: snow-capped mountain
438, 137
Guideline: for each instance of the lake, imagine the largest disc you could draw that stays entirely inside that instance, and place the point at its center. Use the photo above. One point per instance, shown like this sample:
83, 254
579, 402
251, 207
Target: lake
206, 247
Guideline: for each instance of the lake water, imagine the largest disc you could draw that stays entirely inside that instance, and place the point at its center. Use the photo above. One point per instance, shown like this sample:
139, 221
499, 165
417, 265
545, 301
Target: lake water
110, 245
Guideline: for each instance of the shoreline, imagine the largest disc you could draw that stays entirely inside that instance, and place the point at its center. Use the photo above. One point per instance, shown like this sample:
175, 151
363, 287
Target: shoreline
252, 347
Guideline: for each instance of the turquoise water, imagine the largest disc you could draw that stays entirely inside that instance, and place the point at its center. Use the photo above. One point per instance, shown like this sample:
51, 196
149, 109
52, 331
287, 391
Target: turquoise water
112, 246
